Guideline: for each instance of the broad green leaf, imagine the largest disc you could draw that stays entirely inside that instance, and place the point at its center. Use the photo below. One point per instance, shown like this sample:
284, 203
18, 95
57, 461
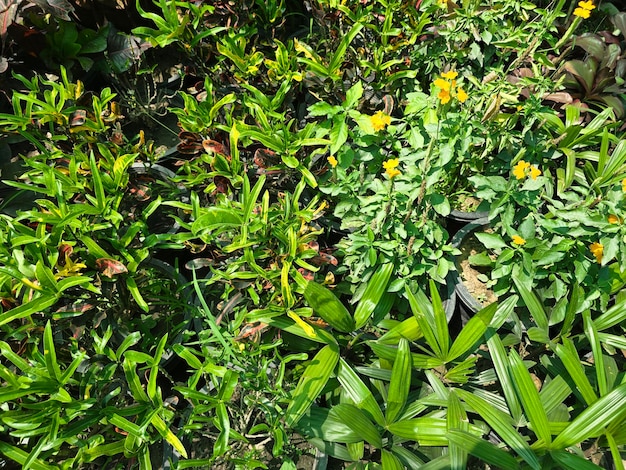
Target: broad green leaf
311, 383
529, 396
569, 356
329, 307
571, 461
408, 329
501, 424
358, 392
324, 424
216, 220
593, 419
359, 423
483, 449
400, 382
390, 461
376, 287
425, 431
473, 330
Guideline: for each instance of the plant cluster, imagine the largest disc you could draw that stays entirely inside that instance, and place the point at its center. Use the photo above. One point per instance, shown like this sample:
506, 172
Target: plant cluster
277, 285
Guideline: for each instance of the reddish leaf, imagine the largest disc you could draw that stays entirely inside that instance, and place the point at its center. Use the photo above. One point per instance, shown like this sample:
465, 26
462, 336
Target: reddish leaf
8, 8
110, 267
212, 146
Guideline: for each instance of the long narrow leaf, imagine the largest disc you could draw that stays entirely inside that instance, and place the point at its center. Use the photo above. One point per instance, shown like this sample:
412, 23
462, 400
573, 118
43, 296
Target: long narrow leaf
596, 348
501, 424
501, 365
529, 396
400, 381
483, 449
456, 419
376, 287
533, 304
473, 330
358, 392
593, 419
311, 383
359, 423
569, 356
422, 310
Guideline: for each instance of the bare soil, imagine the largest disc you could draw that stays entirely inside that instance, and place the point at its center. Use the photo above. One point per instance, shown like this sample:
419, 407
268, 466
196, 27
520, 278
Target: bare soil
470, 274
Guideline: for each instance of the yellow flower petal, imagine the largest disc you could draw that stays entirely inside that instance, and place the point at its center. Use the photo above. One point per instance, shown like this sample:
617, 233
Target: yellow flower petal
586, 5
391, 163
518, 240
451, 75
582, 13
392, 173
596, 250
444, 96
613, 219
461, 95
624, 185
380, 120
534, 172
442, 84
519, 171
332, 161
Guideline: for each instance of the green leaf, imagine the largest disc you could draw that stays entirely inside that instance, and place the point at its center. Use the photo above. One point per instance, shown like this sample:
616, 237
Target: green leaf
501, 424
491, 240
358, 392
338, 133
168, 435
353, 95
594, 419
329, 307
425, 431
38, 304
390, 461
571, 461
376, 287
400, 381
49, 353
216, 220
483, 449
311, 383
502, 368
18, 455
423, 312
359, 423
456, 419
569, 356
134, 290
473, 330
529, 396
598, 359
534, 305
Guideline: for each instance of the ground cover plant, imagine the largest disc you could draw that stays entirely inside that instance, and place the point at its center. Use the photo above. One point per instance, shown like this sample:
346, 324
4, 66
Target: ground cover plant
226, 242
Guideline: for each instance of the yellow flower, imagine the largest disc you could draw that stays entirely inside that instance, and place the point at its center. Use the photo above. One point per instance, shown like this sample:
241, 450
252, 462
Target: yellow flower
461, 95
518, 240
613, 219
443, 84
380, 120
444, 96
391, 163
451, 75
519, 171
442, 3
69, 269
332, 161
624, 185
587, 5
596, 250
392, 173
390, 167
534, 172
582, 13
